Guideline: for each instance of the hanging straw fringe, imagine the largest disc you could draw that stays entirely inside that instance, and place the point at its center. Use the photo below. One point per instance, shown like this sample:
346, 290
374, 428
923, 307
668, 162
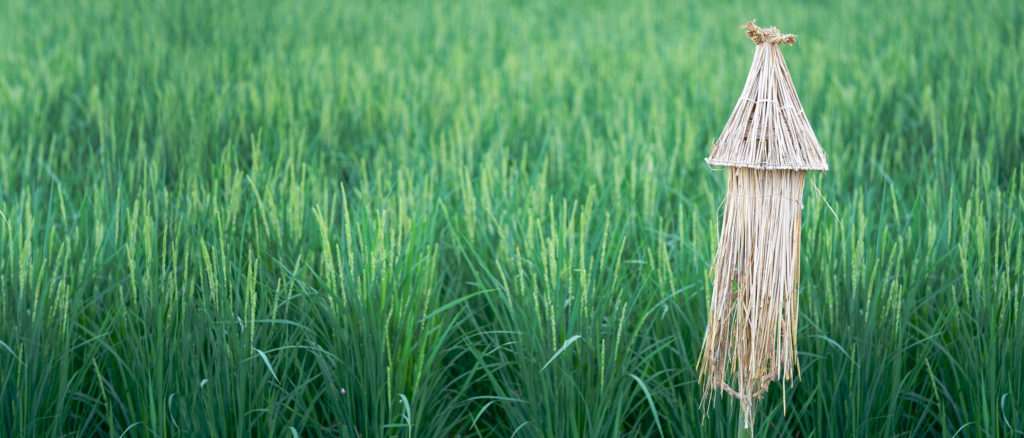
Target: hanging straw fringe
751, 335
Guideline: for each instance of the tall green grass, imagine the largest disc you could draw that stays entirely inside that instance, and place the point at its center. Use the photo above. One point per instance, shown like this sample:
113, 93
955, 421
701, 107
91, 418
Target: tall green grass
488, 219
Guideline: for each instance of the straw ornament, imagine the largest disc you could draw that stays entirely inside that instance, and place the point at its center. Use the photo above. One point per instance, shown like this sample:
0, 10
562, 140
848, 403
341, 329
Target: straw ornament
767, 146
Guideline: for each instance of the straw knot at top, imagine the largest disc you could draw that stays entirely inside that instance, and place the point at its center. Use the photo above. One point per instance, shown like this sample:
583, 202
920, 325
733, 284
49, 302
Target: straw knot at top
770, 35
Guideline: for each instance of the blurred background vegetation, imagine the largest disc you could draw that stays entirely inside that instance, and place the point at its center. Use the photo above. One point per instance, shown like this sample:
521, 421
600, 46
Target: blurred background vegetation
359, 219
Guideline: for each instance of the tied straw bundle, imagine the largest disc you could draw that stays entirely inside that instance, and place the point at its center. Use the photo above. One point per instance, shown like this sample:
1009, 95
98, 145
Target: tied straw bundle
767, 146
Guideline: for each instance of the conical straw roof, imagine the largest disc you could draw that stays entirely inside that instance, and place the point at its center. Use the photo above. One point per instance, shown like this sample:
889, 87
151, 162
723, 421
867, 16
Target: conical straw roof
768, 128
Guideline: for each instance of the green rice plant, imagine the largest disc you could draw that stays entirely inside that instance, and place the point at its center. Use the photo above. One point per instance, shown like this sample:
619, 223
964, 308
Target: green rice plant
485, 219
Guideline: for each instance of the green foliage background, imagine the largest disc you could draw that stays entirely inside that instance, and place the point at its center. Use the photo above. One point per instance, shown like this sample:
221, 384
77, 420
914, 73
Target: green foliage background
484, 218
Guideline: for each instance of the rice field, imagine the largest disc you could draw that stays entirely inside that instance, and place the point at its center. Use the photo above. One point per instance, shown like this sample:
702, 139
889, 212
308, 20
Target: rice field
481, 218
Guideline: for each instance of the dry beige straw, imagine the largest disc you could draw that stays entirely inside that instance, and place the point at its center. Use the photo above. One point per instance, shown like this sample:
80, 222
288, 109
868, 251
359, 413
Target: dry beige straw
770, 110
768, 146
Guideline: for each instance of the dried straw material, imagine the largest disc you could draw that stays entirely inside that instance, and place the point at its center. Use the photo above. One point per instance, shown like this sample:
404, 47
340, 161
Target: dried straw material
751, 330
768, 128
768, 146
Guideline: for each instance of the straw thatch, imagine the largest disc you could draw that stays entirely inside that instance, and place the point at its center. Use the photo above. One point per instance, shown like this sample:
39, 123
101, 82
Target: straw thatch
767, 145
768, 128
